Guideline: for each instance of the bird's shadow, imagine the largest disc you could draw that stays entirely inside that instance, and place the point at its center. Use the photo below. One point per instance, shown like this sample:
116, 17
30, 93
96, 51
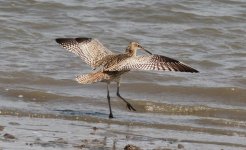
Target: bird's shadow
70, 112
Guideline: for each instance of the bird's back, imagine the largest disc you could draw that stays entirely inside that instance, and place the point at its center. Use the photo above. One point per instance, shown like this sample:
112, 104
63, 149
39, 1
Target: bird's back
111, 60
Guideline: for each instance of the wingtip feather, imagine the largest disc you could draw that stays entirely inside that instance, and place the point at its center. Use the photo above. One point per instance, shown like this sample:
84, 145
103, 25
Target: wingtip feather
82, 39
62, 40
79, 39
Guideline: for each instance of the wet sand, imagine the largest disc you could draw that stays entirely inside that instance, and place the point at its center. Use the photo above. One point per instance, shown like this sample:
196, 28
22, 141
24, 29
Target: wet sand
56, 133
26, 130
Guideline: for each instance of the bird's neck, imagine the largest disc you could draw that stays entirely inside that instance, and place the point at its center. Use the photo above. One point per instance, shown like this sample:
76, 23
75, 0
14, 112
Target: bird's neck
131, 52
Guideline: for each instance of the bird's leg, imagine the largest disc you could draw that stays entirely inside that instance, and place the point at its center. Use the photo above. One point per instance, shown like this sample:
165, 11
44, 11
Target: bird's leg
110, 110
129, 106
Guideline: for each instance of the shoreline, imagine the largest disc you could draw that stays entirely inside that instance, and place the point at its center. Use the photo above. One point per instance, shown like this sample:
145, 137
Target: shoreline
50, 131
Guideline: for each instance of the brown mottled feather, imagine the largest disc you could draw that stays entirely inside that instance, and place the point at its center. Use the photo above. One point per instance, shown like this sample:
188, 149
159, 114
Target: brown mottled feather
92, 78
152, 62
88, 49
114, 65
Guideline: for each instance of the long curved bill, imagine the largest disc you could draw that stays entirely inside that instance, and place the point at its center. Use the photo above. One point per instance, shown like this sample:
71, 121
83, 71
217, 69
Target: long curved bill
145, 50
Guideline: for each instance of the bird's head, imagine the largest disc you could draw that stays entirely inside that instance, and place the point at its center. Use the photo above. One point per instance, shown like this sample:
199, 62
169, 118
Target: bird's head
134, 46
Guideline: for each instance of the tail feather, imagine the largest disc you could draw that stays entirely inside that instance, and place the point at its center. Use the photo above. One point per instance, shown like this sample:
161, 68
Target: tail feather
91, 78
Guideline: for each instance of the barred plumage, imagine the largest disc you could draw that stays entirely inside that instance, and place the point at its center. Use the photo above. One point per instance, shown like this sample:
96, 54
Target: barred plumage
114, 65
153, 62
88, 49
92, 78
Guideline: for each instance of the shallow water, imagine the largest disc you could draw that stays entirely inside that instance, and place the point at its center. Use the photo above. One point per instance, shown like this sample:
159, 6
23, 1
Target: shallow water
37, 75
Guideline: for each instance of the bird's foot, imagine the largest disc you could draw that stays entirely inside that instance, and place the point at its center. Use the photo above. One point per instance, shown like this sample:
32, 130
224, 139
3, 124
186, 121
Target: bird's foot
129, 106
110, 116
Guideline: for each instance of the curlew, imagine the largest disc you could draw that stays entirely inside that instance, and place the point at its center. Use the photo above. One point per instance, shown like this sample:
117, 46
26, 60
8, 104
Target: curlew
108, 66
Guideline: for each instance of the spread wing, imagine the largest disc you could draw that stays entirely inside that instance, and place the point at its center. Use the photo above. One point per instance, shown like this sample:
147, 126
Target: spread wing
153, 62
88, 49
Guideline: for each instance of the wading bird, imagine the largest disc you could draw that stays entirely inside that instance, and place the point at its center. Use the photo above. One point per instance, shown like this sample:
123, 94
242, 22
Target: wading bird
110, 66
